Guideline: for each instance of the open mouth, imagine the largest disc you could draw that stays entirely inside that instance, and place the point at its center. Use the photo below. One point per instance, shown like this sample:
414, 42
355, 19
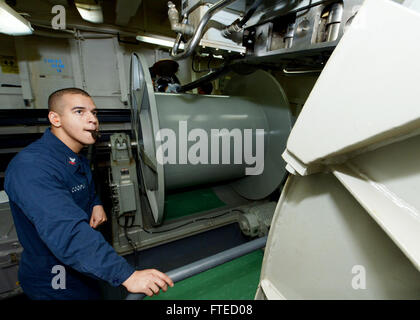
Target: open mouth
95, 133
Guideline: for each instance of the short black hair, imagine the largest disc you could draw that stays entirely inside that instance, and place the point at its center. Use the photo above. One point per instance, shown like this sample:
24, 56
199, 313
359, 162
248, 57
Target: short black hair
56, 95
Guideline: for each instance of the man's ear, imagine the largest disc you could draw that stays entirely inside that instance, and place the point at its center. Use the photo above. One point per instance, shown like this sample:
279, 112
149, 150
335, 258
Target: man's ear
54, 118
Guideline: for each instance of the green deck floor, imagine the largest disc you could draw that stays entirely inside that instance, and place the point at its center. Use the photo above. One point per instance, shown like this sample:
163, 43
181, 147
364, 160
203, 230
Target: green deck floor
178, 205
234, 280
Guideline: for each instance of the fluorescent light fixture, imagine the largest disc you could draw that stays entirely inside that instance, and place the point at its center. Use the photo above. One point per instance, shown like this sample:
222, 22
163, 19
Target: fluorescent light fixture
158, 40
12, 23
90, 12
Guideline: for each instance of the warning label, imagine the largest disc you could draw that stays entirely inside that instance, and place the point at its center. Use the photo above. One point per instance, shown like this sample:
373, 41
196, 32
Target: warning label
9, 64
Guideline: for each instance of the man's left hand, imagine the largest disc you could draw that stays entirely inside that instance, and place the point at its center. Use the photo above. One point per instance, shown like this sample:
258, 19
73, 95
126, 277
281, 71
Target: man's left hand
98, 216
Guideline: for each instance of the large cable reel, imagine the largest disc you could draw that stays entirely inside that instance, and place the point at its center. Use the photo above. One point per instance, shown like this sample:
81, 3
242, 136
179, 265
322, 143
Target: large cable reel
256, 101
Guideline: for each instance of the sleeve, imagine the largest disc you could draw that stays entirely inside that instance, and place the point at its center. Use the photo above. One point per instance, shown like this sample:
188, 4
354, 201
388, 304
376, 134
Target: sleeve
63, 226
94, 198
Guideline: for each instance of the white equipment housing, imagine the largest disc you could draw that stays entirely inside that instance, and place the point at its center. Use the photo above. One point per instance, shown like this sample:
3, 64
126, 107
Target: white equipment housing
347, 226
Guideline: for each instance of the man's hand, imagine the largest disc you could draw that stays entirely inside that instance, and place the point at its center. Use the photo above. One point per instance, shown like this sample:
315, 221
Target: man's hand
98, 216
148, 282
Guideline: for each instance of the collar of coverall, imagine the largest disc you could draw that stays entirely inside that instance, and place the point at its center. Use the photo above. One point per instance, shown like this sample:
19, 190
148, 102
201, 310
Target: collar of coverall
72, 159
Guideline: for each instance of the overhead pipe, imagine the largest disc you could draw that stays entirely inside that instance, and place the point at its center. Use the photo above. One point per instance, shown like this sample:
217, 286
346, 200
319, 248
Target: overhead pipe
238, 24
180, 28
198, 32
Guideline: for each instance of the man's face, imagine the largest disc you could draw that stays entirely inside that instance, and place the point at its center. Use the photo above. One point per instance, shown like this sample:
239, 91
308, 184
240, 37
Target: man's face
78, 118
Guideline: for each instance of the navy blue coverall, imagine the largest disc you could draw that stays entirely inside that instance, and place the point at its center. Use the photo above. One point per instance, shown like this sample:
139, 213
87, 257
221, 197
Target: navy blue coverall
51, 196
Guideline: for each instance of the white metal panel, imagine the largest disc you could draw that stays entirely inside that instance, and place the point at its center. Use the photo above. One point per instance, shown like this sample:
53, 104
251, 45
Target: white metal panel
76, 63
24, 72
49, 67
413, 4
100, 68
367, 93
319, 236
123, 76
10, 86
386, 182
8, 75
270, 290
10, 100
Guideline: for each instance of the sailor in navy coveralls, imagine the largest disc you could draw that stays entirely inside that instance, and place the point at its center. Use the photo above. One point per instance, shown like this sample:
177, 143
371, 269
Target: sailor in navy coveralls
55, 211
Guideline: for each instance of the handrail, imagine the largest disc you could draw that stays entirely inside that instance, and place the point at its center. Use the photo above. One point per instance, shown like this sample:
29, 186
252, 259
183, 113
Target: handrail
205, 264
